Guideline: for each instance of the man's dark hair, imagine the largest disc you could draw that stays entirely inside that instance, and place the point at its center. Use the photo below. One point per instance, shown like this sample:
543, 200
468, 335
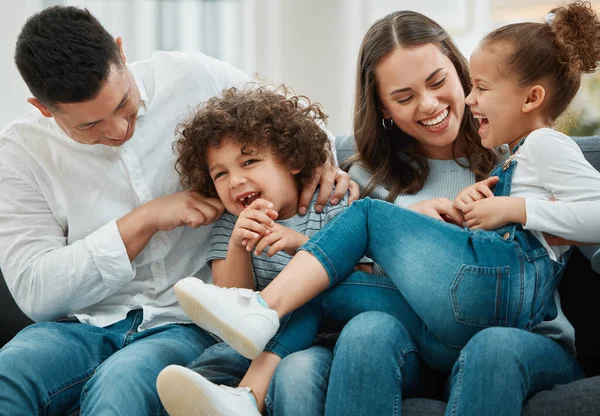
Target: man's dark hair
65, 55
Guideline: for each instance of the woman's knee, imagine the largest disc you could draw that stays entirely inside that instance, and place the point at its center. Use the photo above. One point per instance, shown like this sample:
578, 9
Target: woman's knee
495, 345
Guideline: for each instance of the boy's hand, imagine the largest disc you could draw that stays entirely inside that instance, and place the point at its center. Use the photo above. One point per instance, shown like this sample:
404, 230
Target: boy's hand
475, 192
253, 223
492, 213
328, 177
280, 238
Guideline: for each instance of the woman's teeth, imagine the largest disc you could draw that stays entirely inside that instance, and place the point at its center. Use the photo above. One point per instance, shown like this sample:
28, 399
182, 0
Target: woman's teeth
437, 120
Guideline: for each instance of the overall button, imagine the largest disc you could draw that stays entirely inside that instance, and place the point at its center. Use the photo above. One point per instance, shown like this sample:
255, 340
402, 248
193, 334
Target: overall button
506, 235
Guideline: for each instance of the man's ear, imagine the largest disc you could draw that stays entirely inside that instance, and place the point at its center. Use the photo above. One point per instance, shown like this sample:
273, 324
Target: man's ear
535, 98
43, 109
119, 41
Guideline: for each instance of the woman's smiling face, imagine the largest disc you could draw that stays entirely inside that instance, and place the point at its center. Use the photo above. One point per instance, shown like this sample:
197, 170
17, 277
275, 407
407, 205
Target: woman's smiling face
421, 92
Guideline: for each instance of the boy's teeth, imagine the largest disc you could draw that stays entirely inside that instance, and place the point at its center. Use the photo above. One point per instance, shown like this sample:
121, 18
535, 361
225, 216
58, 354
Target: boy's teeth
244, 200
436, 120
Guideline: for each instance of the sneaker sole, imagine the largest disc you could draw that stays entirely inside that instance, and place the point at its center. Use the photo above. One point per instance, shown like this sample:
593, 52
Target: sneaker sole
205, 318
181, 393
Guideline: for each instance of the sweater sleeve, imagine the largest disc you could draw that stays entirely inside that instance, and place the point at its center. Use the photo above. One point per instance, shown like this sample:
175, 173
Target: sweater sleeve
362, 176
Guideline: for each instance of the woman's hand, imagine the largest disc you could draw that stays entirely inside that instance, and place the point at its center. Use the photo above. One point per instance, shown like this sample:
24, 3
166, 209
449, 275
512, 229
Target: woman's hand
439, 208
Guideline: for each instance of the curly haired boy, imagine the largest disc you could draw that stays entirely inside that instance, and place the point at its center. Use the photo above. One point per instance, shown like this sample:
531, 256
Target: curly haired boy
253, 149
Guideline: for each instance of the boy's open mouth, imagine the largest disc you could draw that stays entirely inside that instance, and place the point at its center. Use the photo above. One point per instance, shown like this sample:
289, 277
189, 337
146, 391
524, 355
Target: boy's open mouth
249, 198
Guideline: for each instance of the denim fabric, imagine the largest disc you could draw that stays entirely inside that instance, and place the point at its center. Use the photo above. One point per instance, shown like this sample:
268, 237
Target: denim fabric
360, 292
300, 383
221, 364
53, 368
455, 280
298, 386
376, 365
513, 364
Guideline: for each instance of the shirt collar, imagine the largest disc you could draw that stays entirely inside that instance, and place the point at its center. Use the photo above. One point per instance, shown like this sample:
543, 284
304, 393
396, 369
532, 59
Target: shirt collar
139, 82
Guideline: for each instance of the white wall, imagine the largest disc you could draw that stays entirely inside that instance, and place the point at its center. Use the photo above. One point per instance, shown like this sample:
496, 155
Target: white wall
310, 45
13, 91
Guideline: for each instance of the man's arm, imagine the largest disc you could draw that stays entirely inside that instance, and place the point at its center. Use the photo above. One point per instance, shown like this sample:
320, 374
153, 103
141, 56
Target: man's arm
49, 278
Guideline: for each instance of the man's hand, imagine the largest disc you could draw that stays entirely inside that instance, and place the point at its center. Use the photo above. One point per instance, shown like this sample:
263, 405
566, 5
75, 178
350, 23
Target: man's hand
164, 214
183, 208
328, 176
492, 213
253, 223
280, 238
439, 208
475, 192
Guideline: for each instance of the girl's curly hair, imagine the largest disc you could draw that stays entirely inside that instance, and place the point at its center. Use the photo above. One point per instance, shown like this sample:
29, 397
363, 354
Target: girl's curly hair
274, 121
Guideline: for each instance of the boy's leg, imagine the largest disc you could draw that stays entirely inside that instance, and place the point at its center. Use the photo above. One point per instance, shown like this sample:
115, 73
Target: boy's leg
206, 386
44, 367
126, 382
300, 382
221, 364
500, 368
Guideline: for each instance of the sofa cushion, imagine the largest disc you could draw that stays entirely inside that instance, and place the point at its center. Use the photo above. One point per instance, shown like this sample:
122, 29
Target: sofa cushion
13, 320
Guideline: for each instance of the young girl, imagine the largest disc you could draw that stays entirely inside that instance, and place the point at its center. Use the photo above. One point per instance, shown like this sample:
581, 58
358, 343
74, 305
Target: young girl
255, 150
497, 272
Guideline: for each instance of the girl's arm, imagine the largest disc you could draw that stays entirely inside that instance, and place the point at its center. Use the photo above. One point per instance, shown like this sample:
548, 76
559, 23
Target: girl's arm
574, 208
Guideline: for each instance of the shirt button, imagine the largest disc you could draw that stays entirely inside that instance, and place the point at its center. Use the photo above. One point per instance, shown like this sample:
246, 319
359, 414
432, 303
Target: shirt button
506, 235
502, 149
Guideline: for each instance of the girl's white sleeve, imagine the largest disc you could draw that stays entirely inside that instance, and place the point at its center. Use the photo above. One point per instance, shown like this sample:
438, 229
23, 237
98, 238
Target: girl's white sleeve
562, 169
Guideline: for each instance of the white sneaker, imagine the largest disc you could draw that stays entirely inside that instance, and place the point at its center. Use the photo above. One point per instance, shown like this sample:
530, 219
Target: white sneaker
234, 315
186, 393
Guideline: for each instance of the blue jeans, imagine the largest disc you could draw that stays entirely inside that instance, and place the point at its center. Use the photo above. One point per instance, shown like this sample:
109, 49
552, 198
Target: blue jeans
55, 368
298, 386
375, 366
497, 370
500, 368
456, 281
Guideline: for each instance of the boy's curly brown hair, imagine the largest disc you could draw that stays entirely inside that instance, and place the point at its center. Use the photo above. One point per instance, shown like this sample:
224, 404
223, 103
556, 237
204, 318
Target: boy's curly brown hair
269, 120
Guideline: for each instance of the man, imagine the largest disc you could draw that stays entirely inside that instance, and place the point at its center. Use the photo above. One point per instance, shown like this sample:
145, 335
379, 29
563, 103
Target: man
95, 228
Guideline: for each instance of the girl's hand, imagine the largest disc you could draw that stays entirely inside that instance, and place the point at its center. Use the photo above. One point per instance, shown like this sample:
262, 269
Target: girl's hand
439, 208
492, 213
476, 192
280, 238
253, 223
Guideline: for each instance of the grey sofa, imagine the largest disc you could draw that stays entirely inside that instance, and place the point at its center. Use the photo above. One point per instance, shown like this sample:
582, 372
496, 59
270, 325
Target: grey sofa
580, 290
